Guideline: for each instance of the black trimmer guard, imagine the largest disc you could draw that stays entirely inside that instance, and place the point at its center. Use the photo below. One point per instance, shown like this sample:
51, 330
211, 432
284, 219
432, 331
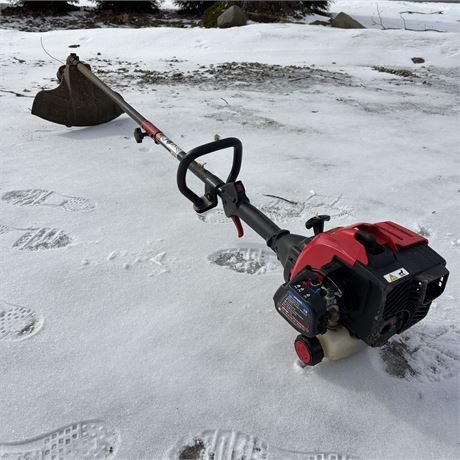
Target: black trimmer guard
76, 101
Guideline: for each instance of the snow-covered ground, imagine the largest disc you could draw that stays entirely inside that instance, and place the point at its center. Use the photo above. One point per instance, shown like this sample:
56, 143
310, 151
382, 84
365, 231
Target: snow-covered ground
410, 14
135, 326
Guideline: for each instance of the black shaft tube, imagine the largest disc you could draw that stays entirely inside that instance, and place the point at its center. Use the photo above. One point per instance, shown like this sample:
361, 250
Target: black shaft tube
285, 245
258, 221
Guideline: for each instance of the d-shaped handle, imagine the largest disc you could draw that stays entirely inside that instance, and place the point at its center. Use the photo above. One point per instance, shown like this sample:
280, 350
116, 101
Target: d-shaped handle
209, 200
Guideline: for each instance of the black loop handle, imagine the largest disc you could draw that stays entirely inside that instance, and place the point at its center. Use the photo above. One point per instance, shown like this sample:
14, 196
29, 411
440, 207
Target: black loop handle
204, 203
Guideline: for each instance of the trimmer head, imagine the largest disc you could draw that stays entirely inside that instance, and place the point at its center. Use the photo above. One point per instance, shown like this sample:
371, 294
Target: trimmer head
76, 101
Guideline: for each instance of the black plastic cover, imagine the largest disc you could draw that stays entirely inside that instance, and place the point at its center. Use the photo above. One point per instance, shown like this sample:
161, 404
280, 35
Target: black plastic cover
392, 293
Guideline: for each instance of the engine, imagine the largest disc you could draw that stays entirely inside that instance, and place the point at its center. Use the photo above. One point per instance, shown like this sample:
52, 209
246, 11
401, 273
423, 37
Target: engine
376, 280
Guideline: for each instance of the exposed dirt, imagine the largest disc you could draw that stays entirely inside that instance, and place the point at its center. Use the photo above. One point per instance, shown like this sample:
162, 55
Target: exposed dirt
396, 356
193, 452
395, 71
126, 75
244, 75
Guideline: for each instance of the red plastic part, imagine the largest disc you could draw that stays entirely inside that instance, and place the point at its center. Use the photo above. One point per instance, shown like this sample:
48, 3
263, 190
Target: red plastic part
302, 351
239, 227
150, 129
393, 235
341, 243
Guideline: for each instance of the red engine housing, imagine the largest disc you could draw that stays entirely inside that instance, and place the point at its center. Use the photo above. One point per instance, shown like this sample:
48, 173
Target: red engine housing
387, 276
341, 242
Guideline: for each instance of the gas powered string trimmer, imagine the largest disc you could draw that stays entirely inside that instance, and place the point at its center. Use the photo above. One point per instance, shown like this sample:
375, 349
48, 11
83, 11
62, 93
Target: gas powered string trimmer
345, 286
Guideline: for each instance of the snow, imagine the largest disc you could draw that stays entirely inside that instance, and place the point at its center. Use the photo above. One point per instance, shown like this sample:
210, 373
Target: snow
136, 325
416, 15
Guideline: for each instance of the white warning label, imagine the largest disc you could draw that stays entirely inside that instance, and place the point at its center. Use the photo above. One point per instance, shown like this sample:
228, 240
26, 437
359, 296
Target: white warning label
396, 275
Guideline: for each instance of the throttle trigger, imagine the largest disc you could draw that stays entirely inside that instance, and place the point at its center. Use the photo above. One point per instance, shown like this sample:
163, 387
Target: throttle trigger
239, 227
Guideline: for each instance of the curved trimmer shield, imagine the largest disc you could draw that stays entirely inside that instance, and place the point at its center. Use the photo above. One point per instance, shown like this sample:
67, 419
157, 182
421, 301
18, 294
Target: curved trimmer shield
75, 102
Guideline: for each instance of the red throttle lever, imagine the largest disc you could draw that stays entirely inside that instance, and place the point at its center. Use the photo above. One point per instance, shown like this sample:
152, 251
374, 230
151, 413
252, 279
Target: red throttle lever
233, 196
239, 227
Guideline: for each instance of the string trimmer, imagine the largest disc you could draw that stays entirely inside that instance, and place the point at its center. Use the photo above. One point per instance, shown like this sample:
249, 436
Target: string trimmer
343, 287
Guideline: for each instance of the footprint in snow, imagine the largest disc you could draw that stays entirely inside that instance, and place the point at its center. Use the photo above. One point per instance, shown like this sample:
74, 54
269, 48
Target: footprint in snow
35, 238
424, 353
283, 210
79, 441
250, 260
38, 197
234, 445
17, 323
